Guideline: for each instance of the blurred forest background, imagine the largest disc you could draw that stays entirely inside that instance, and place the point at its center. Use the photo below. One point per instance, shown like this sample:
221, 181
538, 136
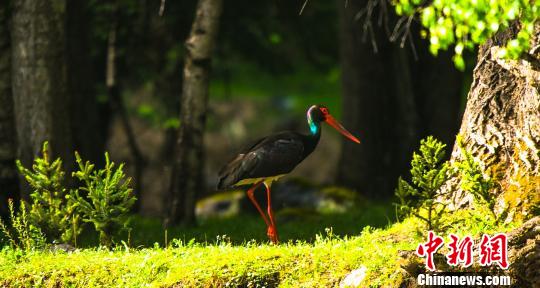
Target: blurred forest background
97, 76
111, 79
174, 89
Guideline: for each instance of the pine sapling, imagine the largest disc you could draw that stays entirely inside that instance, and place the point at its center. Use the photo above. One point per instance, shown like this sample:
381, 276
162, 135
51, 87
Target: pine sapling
429, 172
105, 197
52, 208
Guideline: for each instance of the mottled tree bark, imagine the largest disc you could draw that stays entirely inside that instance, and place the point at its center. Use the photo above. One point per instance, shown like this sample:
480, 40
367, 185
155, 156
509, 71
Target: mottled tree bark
501, 125
187, 174
391, 100
39, 80
8, 173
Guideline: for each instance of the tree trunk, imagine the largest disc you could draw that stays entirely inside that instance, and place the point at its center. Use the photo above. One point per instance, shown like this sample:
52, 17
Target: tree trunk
39, 80
501, 126
365, 96
8, 173
118, 106
188, 167
88, 117
384, 92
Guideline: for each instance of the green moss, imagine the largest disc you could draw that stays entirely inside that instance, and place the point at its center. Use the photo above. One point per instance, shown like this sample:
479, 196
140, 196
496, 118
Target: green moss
522, 197
324, 262
340, 193
521, 189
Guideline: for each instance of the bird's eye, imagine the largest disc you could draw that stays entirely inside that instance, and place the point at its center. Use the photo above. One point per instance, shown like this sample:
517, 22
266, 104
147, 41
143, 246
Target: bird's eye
324, 110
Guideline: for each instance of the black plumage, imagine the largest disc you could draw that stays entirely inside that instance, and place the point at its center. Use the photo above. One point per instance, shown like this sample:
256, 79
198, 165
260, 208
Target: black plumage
274, 156
270, 156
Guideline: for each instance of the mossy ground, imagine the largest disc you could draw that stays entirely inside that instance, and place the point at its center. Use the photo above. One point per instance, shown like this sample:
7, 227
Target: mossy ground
231, 261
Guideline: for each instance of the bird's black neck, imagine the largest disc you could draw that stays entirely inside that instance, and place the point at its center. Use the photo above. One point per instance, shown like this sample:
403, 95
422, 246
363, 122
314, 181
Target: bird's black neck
312, 138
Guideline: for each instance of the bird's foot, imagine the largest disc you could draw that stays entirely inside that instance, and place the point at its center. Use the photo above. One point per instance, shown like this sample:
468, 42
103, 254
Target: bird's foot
272, 234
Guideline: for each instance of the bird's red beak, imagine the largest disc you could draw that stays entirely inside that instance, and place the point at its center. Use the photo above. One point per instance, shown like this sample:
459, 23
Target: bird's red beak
334, 123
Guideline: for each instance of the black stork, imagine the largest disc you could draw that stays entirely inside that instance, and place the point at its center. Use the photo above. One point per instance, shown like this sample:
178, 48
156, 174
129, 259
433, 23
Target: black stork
274, 156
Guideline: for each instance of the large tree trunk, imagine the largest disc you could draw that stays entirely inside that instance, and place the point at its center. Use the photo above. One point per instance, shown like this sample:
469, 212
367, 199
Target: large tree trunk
367, 101
88, 116
8, 173
384, 92
501, 126
118, 106
187, 173
39, 79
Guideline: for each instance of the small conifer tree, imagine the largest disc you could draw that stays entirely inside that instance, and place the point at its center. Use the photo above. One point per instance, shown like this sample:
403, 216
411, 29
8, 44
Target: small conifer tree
106, 199
52, 208
429, 172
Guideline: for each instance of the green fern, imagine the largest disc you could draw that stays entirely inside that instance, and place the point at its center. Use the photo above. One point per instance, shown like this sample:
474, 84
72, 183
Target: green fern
23, 234
52, 208
474, 180
107, 197
429, 172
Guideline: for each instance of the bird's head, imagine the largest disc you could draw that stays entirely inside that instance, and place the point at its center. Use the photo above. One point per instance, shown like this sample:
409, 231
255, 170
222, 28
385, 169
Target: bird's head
319, 113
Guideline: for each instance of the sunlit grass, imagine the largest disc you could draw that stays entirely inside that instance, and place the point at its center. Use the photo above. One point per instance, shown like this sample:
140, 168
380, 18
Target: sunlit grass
293, 225
322, 263
205, 260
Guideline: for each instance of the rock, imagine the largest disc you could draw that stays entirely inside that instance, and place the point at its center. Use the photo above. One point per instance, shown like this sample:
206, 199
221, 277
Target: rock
410, 262
64, 247
219, 205
524, 254
354, 278
293, 194
296, 193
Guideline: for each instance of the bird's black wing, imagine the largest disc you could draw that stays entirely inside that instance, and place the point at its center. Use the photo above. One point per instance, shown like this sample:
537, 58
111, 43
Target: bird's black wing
238, 158
271, 156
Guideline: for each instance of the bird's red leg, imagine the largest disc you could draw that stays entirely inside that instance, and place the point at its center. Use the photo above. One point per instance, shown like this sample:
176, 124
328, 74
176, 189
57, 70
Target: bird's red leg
272, 231
252, 198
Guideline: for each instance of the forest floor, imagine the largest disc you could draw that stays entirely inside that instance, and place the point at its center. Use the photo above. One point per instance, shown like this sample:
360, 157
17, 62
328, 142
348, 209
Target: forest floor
205, 257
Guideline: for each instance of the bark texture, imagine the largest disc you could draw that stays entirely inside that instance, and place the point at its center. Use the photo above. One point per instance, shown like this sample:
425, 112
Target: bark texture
391, 101
8, 173
39, 79
188, 167
501, 126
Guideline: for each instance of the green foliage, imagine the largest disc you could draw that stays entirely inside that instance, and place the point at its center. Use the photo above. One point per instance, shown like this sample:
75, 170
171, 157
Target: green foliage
106, 202
23, 234
52, 208
219, 264
107, 198
188, 263
467, 23
293, 225
157, 118
429, 172
473, 179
